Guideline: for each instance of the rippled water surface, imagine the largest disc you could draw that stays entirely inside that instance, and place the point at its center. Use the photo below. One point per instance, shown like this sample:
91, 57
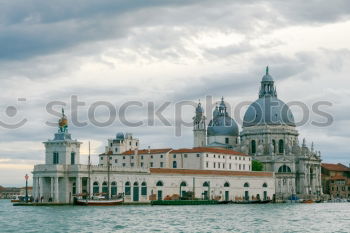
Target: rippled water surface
325, 217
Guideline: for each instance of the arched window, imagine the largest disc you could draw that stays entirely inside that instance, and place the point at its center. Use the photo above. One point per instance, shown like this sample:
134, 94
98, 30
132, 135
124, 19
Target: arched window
246, 185
280, 146
95, 187
127, 188
227, 184
206, 184
284, 169
264, 185
174, 164
159, 183
114, 188
274, 145
136, 184
253, 146
183, 184
144, 189
104, 187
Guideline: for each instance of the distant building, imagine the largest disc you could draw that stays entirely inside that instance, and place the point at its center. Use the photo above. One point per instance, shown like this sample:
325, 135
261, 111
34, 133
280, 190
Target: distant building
336, 180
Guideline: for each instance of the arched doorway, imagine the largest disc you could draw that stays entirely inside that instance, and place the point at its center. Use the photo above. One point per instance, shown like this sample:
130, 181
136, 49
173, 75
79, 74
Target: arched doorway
135, 192
227, 193
159, 192
113, 188
182, 192
206, 193
95, 188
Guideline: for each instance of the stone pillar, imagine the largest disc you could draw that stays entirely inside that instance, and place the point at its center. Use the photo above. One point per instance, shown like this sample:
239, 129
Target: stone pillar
56, 197
41, 187
78, 184
52, 185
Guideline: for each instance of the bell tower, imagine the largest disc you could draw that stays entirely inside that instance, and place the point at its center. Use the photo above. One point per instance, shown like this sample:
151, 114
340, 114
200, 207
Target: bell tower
62, 149
199, 128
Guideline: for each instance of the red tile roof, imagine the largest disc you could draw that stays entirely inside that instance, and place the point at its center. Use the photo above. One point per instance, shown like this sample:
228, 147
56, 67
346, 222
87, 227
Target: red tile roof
208, 149
335, 167
338, 177
208, 172
146, 151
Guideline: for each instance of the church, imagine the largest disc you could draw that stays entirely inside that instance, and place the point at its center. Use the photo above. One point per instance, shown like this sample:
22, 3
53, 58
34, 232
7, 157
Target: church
218, 166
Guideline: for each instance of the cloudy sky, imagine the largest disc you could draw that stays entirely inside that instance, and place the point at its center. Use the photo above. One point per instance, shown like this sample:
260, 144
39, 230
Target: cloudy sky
159, 51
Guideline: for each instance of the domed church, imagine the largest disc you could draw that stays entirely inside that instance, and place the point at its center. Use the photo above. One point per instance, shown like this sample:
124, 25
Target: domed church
268, 134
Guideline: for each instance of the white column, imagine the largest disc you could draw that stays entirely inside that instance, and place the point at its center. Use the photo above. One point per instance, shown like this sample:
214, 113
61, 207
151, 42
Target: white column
41, 187
78, 184
52, 185
56, 190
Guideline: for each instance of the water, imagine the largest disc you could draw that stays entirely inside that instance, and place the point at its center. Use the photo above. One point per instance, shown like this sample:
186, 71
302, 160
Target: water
325, 217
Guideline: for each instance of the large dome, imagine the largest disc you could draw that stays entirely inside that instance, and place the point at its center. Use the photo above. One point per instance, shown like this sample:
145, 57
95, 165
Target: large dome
268, 111
222, 126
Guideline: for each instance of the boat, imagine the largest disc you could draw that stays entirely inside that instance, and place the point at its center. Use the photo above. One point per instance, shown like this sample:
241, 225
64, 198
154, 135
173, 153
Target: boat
102, 199
308, 201
99, 202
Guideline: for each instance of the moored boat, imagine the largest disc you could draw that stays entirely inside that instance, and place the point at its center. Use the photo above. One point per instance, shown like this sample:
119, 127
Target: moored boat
99, 202
308, 201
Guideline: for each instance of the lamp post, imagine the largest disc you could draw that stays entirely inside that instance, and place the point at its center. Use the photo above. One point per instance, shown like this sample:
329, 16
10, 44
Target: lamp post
26, 177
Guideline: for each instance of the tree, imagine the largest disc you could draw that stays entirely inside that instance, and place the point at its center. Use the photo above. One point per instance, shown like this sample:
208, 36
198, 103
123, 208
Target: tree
257, 165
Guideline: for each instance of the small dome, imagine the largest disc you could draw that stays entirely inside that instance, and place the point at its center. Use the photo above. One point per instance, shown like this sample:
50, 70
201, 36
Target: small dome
268, 110
267, 78
120, 136
222, 125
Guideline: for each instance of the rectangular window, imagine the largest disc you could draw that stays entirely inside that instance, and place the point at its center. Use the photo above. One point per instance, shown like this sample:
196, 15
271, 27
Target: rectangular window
151, 156
223, 165
101, 158
141, 164
174, 156
207, 155
132, 157
161, 156
185, 155
123, 157
116, 161
55, 158
218, 165
123, 164
161, 164
141, 156
219, 156
207, 164
214, 164
230, 166
72, 158
243, 166
132, 164
240, 167
198, 155
151, 164
214, 156
226, 140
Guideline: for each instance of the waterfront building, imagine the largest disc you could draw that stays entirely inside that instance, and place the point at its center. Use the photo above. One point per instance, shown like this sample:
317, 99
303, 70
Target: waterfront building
221, 157
145, 175
269, 134
336, 180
